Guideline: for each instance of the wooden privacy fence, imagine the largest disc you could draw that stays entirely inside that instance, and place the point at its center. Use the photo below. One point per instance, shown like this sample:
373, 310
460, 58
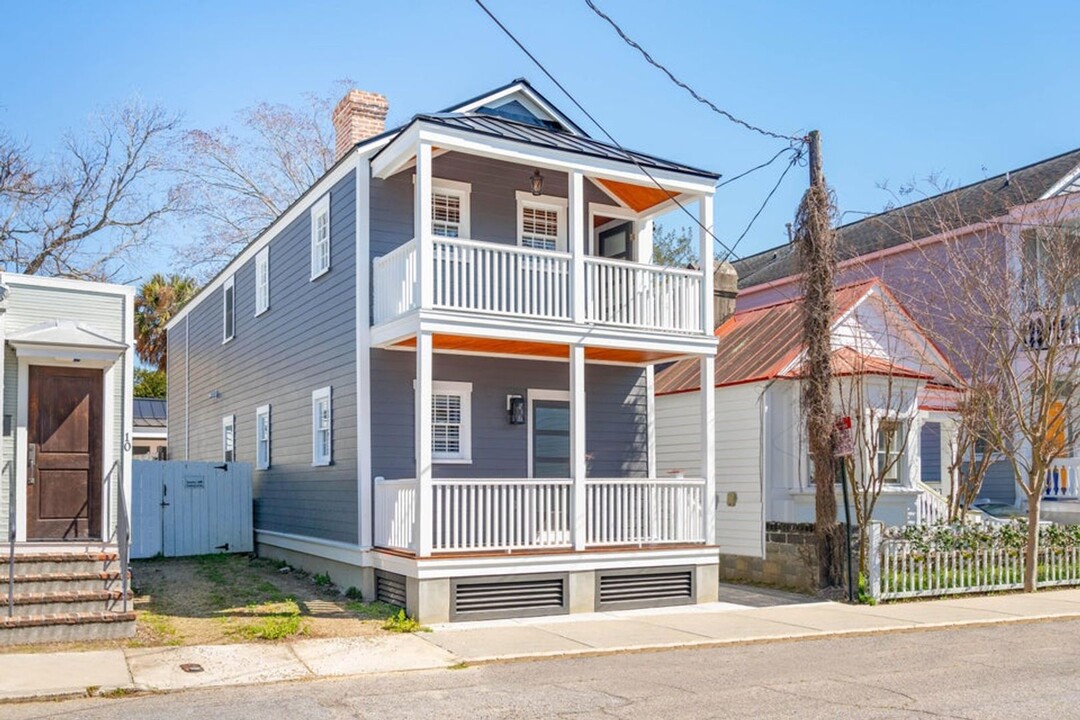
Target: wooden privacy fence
190, 508
900, 568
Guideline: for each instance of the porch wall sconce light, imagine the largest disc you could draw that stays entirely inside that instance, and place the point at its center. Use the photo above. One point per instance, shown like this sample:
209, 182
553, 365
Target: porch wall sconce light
536, 182
515, 409
215, 394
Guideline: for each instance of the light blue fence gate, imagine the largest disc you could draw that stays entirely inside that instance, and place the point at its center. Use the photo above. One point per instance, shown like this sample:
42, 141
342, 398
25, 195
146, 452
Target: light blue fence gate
190, 508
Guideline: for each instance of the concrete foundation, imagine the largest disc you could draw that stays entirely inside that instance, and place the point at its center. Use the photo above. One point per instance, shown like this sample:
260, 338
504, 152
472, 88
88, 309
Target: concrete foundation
344, 575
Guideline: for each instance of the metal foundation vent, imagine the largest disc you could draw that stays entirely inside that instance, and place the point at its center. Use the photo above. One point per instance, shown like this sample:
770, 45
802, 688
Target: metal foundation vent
390, 588
513, 596
644, 588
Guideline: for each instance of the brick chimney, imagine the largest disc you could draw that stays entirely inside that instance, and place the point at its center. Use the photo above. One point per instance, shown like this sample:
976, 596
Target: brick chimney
725, 291
357, 117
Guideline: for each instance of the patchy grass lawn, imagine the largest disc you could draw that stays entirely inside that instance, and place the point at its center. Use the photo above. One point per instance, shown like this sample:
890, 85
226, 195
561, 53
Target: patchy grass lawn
220, 599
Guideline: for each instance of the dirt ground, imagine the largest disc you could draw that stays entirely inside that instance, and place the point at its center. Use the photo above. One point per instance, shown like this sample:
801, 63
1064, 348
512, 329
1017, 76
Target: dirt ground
220, 599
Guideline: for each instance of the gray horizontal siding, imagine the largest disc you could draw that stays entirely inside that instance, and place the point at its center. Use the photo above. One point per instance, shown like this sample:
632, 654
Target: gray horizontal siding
306, 340
999, 484
615, 408
493, 200
930, 451
175, 391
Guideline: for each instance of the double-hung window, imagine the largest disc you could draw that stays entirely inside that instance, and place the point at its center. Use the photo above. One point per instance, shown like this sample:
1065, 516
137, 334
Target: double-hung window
262, 437
320, 237
450, 208
321, 427
228, 438
262, 281
451, 422
889, 442
228, 309
541, 222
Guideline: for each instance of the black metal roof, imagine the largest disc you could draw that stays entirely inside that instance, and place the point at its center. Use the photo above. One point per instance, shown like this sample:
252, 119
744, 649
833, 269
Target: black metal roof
978, 202
150, 413
505, 128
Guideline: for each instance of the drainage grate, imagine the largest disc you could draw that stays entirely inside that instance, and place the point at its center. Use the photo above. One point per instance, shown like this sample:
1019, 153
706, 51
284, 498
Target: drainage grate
509, 596
644, 588
390, 588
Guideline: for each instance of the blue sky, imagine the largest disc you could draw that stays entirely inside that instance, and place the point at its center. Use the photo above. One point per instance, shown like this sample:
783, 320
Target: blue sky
898, 90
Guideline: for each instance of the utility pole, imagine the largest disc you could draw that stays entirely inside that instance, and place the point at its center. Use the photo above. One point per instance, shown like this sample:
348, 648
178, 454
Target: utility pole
817, 255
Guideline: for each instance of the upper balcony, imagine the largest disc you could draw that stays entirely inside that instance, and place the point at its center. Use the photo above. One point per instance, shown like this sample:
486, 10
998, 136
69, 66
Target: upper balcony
541, 242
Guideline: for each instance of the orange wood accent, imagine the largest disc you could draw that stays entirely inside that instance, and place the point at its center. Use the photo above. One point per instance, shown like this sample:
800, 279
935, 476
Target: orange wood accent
494, 346
638, 197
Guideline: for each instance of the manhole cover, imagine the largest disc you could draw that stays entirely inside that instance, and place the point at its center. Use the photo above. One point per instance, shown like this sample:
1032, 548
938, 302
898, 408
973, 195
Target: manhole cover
191, 667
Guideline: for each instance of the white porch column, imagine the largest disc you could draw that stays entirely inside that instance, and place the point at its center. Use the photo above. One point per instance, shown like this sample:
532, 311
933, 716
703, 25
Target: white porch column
705, 216
576, 240
422, 226
708, 443
423, 443
577, 441
645, 241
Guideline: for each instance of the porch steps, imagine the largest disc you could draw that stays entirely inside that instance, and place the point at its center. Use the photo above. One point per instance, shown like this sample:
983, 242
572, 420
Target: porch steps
63, 597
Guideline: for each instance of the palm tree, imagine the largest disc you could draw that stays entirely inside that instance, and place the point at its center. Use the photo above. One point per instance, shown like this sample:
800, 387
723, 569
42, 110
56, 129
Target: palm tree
158, 300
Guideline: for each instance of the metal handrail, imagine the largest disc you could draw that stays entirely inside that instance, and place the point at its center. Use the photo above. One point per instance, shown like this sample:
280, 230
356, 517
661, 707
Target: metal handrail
11, 549
123, 536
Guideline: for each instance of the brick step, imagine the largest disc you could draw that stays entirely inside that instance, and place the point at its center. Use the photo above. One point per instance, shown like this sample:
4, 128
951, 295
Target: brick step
66, 627
39, 563
65, 582
87, 601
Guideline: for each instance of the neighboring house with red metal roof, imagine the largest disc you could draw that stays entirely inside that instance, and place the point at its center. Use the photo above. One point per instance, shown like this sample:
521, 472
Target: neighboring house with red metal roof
891, 379
908, 248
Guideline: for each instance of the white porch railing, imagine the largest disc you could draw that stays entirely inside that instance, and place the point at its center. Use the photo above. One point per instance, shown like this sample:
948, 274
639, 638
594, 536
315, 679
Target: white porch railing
1042, 333
1063, 479
395, 282
503, 515
931, 507
504, 279
644, 512
643, 296
395, 514
522, 282
486, 515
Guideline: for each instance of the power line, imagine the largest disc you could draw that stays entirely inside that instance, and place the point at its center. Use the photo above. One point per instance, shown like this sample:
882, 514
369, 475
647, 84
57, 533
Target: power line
759, 167
693, 93
793, 163
596, 122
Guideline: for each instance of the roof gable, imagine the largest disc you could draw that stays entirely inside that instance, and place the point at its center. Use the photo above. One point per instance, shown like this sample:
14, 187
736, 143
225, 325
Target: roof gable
872, 334
521, 102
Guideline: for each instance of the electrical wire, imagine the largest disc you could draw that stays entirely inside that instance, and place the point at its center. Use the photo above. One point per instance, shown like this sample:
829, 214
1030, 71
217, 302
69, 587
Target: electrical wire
793, 163
693, 93
596, 122
758, 167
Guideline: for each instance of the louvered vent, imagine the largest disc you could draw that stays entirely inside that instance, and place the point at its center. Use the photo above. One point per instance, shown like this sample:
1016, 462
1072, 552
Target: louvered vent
390, 588
509, 597
645, 588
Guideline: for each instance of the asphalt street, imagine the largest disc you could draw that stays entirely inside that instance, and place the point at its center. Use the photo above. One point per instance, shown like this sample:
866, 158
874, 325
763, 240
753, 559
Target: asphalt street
1005, 671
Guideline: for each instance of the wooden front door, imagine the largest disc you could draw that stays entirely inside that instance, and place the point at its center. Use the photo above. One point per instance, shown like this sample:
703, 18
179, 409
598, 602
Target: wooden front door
63, 458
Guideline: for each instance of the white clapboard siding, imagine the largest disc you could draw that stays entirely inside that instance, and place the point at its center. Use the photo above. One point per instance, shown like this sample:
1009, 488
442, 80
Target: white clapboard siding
740, 529
190, 508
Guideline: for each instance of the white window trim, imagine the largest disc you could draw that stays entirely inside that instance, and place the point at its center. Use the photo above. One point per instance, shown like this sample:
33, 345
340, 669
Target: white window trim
543, 202
317, 210
228, 324
316, 397
462, 191
229, 421
262, 292
464, 390
262, 463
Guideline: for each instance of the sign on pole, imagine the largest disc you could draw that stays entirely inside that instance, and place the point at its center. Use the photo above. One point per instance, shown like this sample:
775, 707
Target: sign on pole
843, 439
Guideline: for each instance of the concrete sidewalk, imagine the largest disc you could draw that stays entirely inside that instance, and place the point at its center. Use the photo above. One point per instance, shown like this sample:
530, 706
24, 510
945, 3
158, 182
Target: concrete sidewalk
24, 676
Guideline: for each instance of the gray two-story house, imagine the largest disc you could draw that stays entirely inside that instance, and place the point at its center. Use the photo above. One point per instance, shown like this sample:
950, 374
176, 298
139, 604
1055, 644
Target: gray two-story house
440, 360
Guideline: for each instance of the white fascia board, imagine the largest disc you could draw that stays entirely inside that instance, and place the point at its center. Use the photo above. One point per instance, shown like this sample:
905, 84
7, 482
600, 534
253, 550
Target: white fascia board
595, 560
309, 198
87, 286
396, 156
1068, 179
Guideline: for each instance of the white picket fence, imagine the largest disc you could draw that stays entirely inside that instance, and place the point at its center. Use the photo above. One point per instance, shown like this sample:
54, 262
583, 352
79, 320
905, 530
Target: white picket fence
899, 569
